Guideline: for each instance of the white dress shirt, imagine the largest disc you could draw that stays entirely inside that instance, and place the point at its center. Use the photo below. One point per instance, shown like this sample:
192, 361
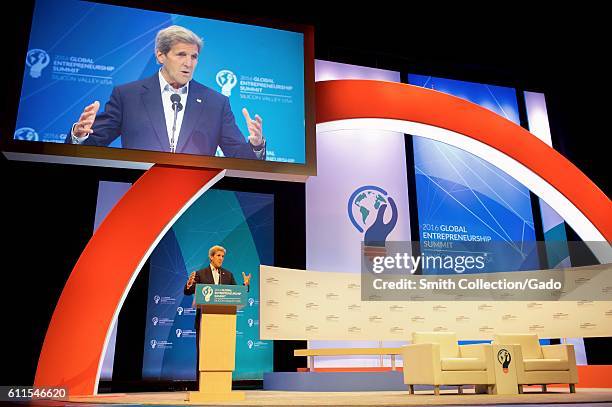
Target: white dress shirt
216, 274
166, 91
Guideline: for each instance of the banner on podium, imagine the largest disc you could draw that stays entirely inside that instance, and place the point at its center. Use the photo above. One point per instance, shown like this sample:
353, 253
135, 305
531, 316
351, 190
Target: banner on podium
214, 294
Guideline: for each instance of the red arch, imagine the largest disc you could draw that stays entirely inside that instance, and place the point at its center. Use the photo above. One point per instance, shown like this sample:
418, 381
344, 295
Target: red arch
354, 99
75, 338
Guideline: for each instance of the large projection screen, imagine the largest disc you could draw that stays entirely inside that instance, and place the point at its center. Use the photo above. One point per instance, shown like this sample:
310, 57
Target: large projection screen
244, 75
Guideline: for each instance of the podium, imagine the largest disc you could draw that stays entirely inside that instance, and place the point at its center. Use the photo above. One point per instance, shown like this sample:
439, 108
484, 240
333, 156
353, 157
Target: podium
218, 305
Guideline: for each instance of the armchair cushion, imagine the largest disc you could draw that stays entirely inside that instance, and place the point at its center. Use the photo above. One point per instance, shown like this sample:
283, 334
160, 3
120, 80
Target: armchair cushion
532, 365
463, 364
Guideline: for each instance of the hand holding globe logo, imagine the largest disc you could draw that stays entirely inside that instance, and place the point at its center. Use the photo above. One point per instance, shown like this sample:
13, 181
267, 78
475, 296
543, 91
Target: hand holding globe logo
207, 291
367, 208
37, 60
226, 79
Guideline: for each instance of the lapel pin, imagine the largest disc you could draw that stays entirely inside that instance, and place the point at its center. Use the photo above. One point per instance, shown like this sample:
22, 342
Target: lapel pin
199, 100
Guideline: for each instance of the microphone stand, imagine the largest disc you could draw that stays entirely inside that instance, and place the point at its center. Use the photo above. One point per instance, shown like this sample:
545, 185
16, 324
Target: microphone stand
177, 107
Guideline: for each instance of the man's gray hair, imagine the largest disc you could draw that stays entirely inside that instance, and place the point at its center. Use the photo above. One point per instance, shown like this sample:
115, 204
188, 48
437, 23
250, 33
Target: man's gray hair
166, 38
213, 250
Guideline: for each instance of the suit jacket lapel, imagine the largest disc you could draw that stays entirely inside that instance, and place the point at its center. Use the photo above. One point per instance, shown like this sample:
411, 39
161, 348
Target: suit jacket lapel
193, 111
151, 98
207, 277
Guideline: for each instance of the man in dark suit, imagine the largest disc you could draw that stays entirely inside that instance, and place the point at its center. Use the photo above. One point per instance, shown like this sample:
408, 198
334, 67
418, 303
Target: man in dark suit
143, 112
213, 274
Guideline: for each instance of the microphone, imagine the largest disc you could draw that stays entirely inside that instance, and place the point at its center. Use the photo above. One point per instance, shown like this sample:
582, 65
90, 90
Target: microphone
175, 98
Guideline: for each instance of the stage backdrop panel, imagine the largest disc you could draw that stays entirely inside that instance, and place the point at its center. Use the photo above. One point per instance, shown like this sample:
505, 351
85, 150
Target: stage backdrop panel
243, 223
314, 305
552, 222
109, 193
355, 168
456, 189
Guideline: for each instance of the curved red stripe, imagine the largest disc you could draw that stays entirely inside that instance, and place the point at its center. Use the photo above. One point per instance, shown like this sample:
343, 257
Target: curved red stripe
353, 99
73, 345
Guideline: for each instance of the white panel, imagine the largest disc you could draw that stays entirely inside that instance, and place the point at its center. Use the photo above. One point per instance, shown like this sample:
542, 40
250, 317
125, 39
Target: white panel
576, 219
347, 160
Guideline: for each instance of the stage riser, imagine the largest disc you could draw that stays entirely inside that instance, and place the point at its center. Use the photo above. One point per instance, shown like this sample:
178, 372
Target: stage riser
339, 381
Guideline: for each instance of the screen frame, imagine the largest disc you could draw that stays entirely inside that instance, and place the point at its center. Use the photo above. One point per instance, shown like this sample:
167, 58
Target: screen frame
129, 158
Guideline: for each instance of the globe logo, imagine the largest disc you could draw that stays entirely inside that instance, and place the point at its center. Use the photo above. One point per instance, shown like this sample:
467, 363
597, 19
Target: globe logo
153, 343
37, 60
226, 79
156, 299
207, 292
26, 133
367, 211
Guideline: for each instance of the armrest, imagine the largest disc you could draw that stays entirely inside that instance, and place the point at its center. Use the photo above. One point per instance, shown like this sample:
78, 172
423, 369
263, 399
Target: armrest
482, 351
557, 351
563, 352
421, 363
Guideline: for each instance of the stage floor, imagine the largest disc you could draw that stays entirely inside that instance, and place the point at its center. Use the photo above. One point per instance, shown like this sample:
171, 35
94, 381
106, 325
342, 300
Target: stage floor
382, 398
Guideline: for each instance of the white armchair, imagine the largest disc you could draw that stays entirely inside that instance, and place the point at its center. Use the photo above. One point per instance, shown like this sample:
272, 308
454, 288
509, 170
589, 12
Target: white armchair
536, 364
435, 358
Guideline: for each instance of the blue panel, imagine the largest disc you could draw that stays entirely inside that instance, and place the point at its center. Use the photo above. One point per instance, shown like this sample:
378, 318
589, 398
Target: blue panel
234, 220
243, 223
461, 194
340, 381
335, 381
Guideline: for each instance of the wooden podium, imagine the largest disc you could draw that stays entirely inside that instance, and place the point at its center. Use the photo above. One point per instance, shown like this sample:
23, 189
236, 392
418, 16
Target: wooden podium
218, 305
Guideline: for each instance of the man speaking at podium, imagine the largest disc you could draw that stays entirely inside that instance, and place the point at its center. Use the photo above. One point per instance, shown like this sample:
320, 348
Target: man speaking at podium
170, 111
213, 274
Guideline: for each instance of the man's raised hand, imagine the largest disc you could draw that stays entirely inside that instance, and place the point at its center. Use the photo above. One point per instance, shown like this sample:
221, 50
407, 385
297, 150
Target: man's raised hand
83, 128
255, 127
246, 278
191, 279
